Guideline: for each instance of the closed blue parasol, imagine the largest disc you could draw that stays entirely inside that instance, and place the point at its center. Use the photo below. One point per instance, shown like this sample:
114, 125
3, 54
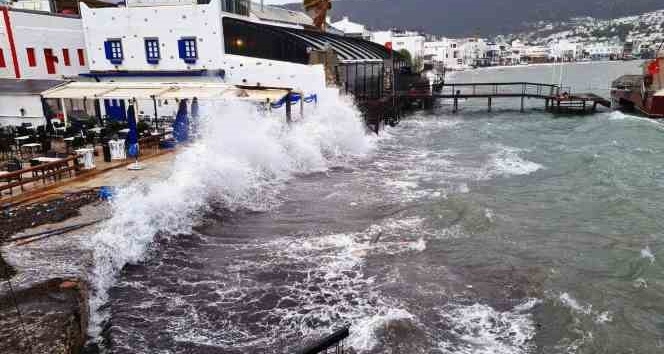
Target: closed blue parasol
194, 117
181, 125
132, 135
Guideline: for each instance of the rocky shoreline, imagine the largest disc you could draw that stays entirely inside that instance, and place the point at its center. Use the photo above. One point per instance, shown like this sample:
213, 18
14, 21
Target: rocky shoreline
42, 309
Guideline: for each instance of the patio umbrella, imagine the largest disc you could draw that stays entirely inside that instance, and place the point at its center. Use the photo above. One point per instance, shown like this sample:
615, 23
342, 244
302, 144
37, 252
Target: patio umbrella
132, 137
181, 124
194, 116
48, 113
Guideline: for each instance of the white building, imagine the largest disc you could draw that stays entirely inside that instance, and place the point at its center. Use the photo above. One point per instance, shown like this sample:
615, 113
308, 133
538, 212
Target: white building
565, 50
446, 52
411, 41
200, 41
352, 29
20, 101
41, 45
474, 52
229, 41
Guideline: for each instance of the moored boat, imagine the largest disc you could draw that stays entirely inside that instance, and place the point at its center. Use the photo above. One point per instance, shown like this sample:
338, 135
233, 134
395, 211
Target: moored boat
642, 93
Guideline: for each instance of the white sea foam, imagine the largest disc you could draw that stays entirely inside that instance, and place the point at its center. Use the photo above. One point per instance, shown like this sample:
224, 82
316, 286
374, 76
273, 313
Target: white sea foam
363, 335
586, 310
239, 159
647, 254
480, 329
507, 162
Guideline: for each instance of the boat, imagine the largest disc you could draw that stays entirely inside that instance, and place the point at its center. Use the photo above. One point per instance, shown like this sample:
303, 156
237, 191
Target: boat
641, 93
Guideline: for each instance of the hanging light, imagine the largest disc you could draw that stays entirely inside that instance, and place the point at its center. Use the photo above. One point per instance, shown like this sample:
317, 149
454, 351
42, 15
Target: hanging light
239, 42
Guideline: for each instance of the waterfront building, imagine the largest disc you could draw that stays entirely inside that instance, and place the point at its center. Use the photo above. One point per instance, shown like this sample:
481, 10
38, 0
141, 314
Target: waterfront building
352, 29
411, 41
443, 52
40, 44
222, 41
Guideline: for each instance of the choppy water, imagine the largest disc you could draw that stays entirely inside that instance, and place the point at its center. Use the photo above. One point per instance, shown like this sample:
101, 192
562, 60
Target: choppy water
467, 233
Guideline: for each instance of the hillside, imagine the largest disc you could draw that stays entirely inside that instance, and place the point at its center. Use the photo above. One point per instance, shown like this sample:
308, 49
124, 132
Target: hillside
479, 17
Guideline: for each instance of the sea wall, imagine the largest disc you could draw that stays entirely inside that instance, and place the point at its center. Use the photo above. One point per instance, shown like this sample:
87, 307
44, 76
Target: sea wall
52, 317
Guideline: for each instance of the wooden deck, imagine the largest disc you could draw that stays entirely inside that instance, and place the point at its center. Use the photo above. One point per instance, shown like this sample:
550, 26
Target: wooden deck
556, 99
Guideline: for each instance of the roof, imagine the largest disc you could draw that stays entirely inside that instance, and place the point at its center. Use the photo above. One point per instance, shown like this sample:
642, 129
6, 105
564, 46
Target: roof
347, 48
164, 90
9, 87
278, 14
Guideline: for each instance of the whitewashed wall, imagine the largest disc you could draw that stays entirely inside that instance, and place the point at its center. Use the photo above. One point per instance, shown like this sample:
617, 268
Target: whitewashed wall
168, 23
10, 109
40, 31
171, 23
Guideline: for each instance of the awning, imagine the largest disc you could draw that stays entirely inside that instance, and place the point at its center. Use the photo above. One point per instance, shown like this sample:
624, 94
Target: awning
199, 92
163, 90
139, 93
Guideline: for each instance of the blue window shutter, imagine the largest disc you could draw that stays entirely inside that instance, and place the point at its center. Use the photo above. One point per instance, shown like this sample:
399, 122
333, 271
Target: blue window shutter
181, 48
107, 49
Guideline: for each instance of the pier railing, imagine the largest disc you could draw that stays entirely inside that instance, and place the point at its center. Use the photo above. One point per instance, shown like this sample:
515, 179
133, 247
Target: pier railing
332, 344
502, 89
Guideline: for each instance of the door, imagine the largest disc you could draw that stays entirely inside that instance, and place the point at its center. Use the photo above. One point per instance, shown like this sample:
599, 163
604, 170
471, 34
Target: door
50, 60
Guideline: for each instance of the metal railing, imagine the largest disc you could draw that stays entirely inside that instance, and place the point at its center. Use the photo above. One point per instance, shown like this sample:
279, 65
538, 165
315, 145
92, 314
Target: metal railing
332, 344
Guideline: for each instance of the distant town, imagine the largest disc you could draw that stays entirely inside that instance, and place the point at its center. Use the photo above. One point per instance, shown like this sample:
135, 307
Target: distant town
579, 39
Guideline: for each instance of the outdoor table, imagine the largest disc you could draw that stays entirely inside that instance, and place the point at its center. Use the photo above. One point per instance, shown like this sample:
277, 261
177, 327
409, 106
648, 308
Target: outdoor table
86, 157
20, 138
96, 130
118, 151
60, 129
125, 131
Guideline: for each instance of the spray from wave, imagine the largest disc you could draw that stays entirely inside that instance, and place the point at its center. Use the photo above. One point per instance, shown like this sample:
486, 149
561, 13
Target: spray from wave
238, 161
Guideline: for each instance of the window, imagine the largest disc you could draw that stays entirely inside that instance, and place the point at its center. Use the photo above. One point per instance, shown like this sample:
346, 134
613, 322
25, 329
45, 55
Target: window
152, 50
32, 60
81, 57
188, 52
3, 64
65, 56
113, 48
253, 40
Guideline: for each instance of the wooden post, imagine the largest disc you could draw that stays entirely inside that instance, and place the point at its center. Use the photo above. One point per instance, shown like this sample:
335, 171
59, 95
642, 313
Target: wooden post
522, 107
584, 106
489, 104
289, 117
546, 104
456, 104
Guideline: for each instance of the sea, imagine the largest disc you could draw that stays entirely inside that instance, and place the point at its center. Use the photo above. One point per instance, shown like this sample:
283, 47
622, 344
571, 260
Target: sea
477, 232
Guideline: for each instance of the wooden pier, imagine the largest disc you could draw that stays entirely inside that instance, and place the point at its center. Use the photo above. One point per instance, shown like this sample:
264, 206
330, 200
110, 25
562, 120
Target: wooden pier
556, 99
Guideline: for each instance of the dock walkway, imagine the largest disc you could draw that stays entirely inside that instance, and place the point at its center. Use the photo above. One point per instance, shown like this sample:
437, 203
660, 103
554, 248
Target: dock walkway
557, 99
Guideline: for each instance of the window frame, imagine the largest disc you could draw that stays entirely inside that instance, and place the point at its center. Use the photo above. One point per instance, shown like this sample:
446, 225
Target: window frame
81, 56
188, 49
32, 56
65, 57
114, 50
151, 45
